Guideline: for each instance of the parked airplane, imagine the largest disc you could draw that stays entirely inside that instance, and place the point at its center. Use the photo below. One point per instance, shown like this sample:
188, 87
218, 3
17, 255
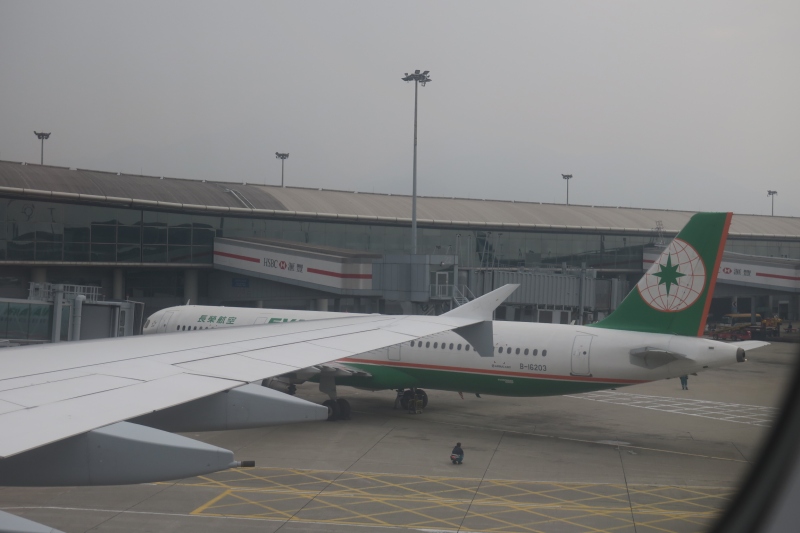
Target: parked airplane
100, 412
654, 334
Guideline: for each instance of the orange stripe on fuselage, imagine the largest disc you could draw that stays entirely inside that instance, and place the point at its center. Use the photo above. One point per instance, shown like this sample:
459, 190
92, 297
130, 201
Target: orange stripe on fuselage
401, 364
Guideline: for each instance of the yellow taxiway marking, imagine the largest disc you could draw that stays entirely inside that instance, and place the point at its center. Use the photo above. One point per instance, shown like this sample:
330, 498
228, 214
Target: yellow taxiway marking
451, 504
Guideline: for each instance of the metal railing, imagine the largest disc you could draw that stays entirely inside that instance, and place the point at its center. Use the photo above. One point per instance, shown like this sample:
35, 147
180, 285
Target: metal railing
45, 292
462, 295
441, 292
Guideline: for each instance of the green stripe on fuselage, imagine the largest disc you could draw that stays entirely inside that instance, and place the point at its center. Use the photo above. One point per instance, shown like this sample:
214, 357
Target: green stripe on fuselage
389, 377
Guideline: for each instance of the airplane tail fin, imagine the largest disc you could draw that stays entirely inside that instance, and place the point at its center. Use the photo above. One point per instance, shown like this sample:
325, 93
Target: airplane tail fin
675, 293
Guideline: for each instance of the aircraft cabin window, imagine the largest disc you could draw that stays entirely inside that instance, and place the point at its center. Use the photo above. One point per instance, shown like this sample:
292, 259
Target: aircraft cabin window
459, 346
147, 323
500, 349
535, 351
517, 352
526, 351
544, 353
435, 344
427, 344
451, 345
178, 328
466, 347
412, 344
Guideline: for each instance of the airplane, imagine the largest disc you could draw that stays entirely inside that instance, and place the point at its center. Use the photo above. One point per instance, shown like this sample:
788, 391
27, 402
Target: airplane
102, 412
655, 333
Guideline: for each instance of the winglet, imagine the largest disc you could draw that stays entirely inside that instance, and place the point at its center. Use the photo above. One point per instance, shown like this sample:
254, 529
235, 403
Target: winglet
483, 308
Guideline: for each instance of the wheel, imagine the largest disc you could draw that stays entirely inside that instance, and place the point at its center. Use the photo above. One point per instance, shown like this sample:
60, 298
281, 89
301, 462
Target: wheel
344, 409
333, 410
407, 395
424, 397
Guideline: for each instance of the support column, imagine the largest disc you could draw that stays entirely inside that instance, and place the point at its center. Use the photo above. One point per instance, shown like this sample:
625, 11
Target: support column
322, 304
190, 291
118, 287
77, 313
58, 301
39, 275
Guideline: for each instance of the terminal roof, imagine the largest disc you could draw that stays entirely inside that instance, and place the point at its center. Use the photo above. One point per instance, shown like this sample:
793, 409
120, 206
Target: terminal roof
243, 198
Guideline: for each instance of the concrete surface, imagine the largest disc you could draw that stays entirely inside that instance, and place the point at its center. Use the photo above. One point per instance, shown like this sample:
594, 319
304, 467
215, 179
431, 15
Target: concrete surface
645, 458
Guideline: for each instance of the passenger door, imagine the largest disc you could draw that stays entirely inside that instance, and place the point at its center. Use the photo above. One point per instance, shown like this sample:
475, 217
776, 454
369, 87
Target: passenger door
581, 348
162, 327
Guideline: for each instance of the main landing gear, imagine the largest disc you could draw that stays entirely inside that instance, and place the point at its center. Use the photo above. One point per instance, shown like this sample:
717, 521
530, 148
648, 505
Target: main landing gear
405, 397
338, 408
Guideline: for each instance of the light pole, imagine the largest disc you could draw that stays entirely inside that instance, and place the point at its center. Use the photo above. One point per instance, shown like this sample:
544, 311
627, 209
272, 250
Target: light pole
282, 157
418, 78
772, 194
567, 177
42, 137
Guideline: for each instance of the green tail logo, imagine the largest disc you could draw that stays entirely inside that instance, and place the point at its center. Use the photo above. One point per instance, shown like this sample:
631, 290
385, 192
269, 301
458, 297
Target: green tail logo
674, 295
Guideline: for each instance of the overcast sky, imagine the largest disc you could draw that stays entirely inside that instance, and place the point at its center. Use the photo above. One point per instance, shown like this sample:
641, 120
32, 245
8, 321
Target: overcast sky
677, 105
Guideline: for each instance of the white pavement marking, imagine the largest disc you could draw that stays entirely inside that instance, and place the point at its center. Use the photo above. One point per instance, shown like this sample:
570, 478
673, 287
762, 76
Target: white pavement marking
755, 415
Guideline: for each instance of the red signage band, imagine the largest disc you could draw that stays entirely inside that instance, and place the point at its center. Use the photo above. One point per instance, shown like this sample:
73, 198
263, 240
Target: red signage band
338, 274
240, 257
778, 276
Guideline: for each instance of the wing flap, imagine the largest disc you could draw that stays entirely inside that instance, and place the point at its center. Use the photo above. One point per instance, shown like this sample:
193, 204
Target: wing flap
236, 367
64, 390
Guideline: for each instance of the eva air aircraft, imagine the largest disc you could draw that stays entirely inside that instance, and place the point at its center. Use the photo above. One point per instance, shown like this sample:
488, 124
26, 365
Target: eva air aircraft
655, 333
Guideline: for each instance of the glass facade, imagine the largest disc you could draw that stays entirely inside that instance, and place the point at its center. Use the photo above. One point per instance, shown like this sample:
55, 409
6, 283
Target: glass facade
49, 231
30, 321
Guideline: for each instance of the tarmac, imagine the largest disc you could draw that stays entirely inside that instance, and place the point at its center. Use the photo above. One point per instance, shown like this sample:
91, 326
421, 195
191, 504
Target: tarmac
647, 458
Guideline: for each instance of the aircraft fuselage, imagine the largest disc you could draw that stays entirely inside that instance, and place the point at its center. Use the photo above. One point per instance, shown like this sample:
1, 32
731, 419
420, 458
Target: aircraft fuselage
528, 359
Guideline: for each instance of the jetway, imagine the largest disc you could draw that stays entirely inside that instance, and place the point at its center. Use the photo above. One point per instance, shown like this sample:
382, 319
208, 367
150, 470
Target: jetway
55, 313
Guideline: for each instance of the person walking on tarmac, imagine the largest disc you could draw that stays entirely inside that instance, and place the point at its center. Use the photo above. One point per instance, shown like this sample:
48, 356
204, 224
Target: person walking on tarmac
457, 455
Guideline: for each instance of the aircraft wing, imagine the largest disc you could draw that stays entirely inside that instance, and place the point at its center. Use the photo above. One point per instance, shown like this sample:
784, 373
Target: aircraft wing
55, 391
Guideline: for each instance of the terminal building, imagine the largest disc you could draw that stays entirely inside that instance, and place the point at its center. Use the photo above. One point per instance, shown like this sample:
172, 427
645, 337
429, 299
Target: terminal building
154, 242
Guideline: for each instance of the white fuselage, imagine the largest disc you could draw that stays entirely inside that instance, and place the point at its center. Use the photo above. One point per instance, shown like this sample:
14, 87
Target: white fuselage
567, 357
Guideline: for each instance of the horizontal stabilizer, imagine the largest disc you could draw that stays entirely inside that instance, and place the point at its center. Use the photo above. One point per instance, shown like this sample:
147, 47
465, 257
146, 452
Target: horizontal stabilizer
483, 308
749, 345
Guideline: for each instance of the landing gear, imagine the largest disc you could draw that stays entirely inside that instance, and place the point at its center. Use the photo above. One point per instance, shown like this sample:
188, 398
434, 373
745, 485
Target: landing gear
344, 409
408, 395
338, 408
333, 410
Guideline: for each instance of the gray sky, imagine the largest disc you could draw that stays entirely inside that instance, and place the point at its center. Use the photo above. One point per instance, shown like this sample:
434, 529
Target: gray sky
678, 105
